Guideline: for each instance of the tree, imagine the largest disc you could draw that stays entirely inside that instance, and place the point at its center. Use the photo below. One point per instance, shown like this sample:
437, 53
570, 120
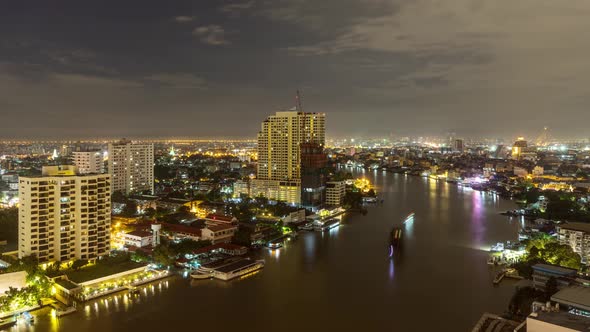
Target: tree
118, 197
163, 255
79, 263
149, 212
371, 193
130, 209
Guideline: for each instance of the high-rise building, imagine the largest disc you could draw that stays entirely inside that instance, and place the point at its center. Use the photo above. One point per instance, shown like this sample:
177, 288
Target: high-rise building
577, 236
64, 215
517, 147
458, 145
313, 181
335, 192
88, 162
131, 167
279, 153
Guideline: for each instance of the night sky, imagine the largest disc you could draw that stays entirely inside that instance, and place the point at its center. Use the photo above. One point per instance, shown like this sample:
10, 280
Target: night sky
217, 68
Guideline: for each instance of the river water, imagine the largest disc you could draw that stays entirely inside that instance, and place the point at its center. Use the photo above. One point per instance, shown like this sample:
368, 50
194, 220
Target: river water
341, 280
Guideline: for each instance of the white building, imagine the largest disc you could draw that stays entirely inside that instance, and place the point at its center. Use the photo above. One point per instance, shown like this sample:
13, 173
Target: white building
335, 192
279, 153
64, 215
138, 239
131, 167
577, 236
88, 162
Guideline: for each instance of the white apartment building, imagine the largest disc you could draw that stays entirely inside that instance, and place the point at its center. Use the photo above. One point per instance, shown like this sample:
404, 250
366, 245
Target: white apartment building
64, 215
279, 153
88, 162
577, 236
131, 167
335, 192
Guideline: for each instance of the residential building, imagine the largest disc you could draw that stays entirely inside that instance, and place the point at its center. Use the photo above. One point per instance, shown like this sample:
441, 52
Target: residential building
88, 162
131, 167
64, 215
279, 153
335, 192
577, 236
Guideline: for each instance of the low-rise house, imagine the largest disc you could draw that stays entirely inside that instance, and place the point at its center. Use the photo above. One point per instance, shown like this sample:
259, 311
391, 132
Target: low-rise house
138, 238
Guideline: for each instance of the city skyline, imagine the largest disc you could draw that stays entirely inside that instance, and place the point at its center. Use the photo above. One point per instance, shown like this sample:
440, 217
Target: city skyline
376, 67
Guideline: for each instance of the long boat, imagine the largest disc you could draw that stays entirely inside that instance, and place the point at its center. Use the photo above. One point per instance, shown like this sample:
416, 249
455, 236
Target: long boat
237, 269
328, 224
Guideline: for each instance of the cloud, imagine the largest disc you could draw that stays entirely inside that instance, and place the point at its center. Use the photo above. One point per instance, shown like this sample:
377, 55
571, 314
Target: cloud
211, 35
235, 9
184, 19
180, 80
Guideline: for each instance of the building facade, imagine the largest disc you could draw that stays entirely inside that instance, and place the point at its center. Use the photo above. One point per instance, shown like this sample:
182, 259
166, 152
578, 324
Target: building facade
88, 162
64, 215
279, 153
313, 175
131, 167
335, 192
577, 236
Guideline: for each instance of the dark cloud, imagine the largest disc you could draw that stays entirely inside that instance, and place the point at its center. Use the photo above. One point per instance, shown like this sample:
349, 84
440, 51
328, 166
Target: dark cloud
217, 68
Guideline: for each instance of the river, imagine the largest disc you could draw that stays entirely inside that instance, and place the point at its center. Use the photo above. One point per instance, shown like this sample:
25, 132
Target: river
341, 280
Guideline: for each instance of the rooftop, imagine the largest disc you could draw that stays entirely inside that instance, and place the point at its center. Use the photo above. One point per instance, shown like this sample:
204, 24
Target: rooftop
219, 217
554, 269
576, 226
563, 319
140, 233
494, 323
217, 228
576, 296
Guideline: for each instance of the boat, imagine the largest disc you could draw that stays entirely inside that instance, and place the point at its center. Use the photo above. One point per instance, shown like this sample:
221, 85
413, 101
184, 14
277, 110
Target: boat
237, 269
395, 237
27, 317
498, 247
66, 311
275, 244
409, 218
201, 275
327, 225
307, 227
6, 323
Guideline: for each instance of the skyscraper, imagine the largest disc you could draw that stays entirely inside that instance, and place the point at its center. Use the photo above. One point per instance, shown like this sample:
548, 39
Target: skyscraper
313, 181
64, 215
279, 153
517, 147
131, 167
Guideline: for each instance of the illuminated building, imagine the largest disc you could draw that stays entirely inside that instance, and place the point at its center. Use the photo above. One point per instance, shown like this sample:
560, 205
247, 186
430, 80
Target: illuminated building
577, 236
517, 147
131, 167
88, 162
335, 192
64, 215
279, 153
